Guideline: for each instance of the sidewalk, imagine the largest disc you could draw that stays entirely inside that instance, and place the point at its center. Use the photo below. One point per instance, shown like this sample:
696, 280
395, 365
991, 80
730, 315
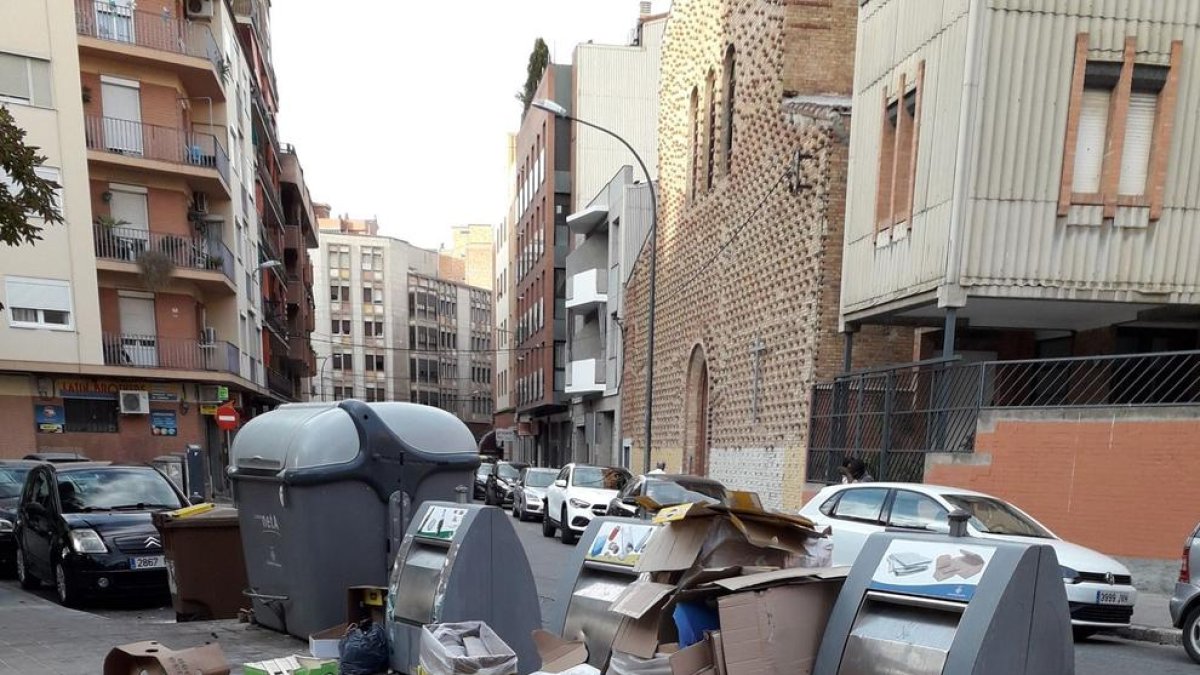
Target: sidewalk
1152, 622
39, 637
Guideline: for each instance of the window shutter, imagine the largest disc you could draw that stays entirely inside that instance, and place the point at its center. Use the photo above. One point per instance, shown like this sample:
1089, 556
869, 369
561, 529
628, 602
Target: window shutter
1139, 133
1089, 144
14, 77
39, 294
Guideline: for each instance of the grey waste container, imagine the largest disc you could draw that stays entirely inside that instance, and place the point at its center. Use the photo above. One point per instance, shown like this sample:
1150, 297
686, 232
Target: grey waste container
319, 487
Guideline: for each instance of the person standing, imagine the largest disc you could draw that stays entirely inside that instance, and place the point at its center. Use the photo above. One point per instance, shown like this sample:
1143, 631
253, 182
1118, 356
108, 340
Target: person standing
854, 470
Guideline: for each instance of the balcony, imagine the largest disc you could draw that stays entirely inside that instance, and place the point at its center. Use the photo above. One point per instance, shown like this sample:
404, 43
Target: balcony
164, 353
275, 316
587, 290
270, 191
280, 384
155, 39
585, 377
204, 261
132, 144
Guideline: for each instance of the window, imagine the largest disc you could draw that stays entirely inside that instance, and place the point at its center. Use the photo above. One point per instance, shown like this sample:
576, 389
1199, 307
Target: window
694, 146
710, 131
339, 293
342, 393
914, 510
373, 328
340, 326
24, 80
898, 152
46, 173
375, 394
38, 303
367, 295
91, 416
861, 504
343, 362
374, 362
730, 79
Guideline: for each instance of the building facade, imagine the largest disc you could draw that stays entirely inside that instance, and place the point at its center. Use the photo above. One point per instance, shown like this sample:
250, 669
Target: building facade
753, 125
613, 226
1033, 218
504, 419
389, 328
472, 245
154, 287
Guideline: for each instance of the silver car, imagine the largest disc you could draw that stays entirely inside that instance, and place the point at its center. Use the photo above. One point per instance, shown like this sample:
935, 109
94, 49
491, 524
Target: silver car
530, 492
1185, 604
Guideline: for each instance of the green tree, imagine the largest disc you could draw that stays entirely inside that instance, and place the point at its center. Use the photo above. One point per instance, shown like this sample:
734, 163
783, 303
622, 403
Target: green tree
24, 196
538, 60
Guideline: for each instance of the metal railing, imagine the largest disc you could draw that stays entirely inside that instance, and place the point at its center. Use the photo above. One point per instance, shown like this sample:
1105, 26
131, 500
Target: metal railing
280, 383
150, 141
116, 22
127, 244
892, 417
275, 316
156, 351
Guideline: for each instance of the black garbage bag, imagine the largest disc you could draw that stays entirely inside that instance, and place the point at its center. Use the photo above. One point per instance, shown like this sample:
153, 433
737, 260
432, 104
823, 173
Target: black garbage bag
363, 650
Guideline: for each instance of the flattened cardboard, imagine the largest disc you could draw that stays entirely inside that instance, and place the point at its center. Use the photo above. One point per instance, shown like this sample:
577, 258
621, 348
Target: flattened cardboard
639, 598
645, 637
778, 577
151, 658
557, 654
674, 548
777, 629
718, 651
693, 660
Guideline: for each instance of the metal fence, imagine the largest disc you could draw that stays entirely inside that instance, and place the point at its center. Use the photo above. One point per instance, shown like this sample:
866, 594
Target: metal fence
892, 417
127, 244
151, 141
156, 351
161, 30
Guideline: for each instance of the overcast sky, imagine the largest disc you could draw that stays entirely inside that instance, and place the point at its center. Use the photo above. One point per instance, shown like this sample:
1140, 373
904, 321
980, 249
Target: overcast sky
399, 109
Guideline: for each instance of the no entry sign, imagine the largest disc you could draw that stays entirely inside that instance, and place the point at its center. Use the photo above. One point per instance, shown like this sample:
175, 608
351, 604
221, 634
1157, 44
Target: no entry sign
228, 418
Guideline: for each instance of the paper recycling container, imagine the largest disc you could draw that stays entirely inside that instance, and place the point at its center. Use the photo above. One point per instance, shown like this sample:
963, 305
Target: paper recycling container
325, 492
205, 566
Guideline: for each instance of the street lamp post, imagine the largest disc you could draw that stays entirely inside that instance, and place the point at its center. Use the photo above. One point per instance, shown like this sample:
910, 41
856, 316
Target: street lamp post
559, 111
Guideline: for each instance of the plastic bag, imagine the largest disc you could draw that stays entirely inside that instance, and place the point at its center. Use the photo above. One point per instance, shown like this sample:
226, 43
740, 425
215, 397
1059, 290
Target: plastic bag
468, 647
364, 650
627, 664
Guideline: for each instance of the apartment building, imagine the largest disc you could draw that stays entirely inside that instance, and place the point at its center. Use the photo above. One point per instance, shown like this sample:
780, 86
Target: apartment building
1032, 214
504, 418
389, 328
165, 264
471, 246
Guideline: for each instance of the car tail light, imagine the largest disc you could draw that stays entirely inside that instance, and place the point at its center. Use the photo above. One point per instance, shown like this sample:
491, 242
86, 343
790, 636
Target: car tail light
1185, 572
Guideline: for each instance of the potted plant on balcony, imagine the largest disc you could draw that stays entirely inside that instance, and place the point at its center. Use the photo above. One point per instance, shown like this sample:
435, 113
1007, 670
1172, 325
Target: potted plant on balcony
108, 243
156, 267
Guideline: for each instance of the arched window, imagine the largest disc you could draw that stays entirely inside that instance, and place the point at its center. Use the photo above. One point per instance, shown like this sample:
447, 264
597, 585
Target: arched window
694, 144
730, 81
710, 128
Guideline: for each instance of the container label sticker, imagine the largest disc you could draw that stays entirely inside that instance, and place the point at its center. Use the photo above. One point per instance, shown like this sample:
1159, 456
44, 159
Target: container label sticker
943, 570
620, 543
441, 522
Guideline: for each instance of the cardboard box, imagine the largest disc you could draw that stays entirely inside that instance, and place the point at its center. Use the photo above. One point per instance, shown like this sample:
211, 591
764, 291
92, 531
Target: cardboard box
559, 655
324, 644
151, 658
694, 660
775, 629
292, 665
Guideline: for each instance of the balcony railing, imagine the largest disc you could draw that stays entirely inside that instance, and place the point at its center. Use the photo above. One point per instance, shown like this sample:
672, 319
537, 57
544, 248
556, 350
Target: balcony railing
280, 383
894, 416
585, 376
117, 22
127, 244
149, 141
156, 351
275, 316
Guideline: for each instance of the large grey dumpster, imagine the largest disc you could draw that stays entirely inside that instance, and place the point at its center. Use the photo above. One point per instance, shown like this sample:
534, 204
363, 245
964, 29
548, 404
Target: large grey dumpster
324, 490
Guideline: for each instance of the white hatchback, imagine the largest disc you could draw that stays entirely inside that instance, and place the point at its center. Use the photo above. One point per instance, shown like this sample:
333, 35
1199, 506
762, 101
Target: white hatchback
1099, 589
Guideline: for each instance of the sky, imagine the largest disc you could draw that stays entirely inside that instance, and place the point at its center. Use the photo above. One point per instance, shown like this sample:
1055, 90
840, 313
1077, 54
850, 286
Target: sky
399, 109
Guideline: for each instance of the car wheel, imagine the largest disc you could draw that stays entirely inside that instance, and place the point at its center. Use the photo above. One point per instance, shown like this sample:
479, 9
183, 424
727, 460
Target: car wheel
515, 514
62, 586
547, 526
568, 536
1082, 633
1191, 634
24, 577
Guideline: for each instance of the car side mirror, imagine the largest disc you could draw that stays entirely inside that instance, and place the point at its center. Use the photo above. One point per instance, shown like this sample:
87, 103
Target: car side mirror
560, 483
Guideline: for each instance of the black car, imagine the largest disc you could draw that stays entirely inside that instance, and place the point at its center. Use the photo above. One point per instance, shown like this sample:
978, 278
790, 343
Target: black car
57, 457
12, 480
501, 479
481, 478
665, 490
86, 528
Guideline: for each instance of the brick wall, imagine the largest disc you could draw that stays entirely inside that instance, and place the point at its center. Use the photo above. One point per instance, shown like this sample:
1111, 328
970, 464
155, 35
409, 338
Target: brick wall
779, 279
1095, 477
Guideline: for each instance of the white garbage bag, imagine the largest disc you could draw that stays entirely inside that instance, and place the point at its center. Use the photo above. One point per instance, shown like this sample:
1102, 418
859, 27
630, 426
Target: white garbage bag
469, 648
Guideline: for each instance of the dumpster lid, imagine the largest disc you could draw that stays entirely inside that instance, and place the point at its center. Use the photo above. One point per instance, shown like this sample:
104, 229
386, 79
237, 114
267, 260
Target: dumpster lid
221, 516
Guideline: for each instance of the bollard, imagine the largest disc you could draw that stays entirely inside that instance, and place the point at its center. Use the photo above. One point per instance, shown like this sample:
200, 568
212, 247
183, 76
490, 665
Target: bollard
461, 497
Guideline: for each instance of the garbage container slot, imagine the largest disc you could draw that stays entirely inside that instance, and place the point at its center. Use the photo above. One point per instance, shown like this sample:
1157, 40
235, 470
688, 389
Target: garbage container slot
417, 587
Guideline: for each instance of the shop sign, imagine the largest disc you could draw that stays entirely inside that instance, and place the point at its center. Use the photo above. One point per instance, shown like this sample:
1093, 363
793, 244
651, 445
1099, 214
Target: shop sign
506, 436
50, 419
209, 410
108, 389
163, 423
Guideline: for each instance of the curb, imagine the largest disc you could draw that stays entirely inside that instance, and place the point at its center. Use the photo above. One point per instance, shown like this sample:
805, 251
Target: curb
1171, 637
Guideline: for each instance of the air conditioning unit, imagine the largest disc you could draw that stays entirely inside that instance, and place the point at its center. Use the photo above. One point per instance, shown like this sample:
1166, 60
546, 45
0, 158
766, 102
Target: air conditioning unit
208, 336
135, 402
200, 202
200, 9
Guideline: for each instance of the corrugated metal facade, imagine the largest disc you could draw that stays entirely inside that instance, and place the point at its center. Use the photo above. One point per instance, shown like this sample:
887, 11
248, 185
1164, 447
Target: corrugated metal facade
1013, 238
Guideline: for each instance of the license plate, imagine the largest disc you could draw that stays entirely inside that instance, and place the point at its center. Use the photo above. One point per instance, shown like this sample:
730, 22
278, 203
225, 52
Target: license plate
148, 562
1112, 598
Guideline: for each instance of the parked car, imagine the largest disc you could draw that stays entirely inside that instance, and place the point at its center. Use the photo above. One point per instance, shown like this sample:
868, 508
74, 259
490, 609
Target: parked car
57, 457
481, 476
530, 494
1185, 603
666, 490
1100, 590
12, 480
498, 490
578, 494
86, 527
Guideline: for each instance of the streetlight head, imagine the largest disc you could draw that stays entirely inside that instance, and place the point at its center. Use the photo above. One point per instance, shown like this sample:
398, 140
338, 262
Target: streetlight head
271, 264
550, 107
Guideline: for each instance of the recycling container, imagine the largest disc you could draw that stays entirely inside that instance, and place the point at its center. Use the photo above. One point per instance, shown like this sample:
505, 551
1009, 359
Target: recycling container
206, 570
324, 493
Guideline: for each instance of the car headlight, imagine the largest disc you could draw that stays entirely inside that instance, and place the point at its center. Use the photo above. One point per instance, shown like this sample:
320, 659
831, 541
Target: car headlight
6, 525
1069, 575
87, 541
578, 503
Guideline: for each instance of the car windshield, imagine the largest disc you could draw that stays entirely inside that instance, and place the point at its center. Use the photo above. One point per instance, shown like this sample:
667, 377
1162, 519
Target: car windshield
113, 488
483, 471
539, 478
996, 517
668, 493
507, 471
12, 479
596, 477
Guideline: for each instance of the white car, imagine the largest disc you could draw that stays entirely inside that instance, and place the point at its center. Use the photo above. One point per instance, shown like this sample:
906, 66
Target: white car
1099, 589
577, 495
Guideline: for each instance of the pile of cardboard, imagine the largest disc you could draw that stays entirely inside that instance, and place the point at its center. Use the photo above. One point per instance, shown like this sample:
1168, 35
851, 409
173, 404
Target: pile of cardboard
727, 590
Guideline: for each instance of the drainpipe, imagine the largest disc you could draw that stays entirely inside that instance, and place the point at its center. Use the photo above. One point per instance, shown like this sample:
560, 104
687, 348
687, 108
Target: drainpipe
976, 41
